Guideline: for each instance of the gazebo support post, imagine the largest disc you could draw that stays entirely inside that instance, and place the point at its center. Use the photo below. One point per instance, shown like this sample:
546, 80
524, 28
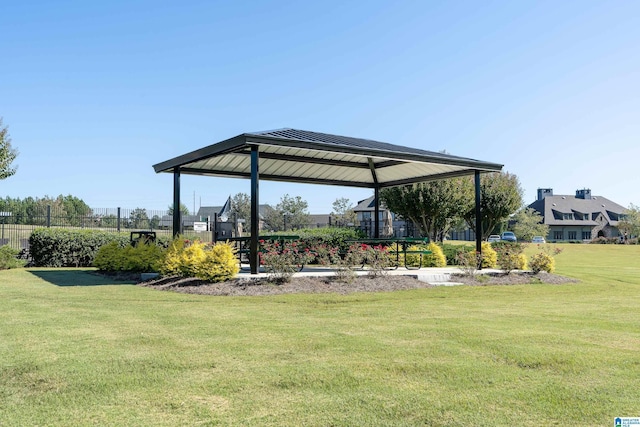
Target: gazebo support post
254, 261
478, 218
176, 202
376, 213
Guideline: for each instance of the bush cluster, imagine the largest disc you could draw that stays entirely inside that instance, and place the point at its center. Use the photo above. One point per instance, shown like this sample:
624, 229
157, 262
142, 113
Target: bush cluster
9, 258
141, 258
213, 263
435, 259
510, 256
58, 247
542, 262
455, 254
330, 236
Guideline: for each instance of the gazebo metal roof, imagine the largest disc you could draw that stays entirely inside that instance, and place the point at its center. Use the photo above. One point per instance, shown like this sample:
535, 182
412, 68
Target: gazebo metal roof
311, 157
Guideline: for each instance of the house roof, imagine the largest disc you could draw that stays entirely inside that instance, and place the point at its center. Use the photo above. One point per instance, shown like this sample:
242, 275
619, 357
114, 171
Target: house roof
552, 209
311, 157
368, 205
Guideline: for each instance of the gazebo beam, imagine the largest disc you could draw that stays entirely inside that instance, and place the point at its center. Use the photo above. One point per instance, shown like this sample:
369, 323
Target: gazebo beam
478, 218
254, 260
176, 202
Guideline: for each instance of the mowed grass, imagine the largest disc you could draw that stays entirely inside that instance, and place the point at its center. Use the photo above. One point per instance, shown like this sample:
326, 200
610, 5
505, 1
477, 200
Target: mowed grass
531, 355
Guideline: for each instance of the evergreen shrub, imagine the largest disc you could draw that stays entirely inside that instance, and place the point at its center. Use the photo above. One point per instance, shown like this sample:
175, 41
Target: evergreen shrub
58, 247
196, 259
141, 258
9, 258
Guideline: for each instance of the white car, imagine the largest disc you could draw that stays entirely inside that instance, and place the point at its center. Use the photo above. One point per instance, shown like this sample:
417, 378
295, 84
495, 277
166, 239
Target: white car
493, 238
538, 239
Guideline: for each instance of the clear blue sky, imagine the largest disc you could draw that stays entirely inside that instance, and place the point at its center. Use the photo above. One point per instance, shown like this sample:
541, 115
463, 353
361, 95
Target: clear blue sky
95, 93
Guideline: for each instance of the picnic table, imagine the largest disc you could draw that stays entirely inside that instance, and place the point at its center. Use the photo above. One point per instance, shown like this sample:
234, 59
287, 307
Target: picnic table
242, 243
400, 245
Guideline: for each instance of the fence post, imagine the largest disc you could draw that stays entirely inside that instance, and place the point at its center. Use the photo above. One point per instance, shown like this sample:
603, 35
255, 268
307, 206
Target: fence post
214, 229
118, 223
48, 216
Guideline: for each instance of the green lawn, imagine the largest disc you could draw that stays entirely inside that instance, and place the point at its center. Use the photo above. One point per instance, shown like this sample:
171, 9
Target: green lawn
534, 355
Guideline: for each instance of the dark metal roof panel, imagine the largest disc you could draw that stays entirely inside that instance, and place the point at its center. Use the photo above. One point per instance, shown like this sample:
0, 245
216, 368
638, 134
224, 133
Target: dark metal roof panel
304, 156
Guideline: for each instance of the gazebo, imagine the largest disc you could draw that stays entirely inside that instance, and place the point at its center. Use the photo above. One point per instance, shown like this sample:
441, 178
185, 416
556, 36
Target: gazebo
294, 155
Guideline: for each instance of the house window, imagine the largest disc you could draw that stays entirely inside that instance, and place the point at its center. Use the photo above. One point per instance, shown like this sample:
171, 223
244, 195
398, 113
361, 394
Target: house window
586, 235
366, 216
567, 216
557, 235
573, 235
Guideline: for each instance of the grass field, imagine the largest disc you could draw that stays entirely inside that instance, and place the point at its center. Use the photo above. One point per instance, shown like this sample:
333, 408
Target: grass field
533, 355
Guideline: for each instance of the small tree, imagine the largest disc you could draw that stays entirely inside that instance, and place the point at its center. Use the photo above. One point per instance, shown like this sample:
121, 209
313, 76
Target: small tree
500, 196
241, 206
528, 223
343, 212
139, 218
184, 210
290, 214
630, 225
432, 206
7, 153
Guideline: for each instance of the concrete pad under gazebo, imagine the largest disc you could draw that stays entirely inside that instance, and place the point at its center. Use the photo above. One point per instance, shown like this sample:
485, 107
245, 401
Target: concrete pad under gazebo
293, 155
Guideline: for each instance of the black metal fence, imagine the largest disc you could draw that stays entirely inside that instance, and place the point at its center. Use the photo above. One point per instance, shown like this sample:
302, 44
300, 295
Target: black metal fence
16, 227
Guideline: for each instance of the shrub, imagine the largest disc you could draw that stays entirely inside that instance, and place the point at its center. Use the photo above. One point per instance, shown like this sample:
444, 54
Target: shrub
108, 257
468, 262
141, 258
435, 259
489, 256
9, 258
452, 252
377, 258
510, 256
330, 236
542, 262
281, 259
195, 259
56, 247
219, 263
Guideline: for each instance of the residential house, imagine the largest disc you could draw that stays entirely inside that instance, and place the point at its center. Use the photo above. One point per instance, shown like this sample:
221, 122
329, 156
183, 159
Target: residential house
580, 217
390, 225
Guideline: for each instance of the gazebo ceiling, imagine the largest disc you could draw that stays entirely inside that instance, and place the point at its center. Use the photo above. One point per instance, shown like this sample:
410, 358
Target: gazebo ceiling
311, 157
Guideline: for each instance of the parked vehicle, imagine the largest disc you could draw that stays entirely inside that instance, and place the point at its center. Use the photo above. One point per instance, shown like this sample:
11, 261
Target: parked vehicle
493, 238
508, 236
538, 239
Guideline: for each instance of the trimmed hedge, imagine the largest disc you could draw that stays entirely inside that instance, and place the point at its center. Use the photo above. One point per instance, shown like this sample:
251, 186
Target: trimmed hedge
59, 247
331, 236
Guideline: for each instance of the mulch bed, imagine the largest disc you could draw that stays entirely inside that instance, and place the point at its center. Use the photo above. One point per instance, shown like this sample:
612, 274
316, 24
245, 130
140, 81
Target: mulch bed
299, 285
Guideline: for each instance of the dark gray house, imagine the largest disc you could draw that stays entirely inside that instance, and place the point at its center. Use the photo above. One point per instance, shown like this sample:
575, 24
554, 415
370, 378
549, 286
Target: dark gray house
580, 217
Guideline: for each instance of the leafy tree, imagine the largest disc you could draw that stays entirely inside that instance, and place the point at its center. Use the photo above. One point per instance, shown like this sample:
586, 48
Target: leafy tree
109, 221
241, 206
75, 210
184, 210
343, 212
290, 214
7, 153
631, 222
528, 223
139, 218
155, 222
501, 196
273, 219
432, 206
